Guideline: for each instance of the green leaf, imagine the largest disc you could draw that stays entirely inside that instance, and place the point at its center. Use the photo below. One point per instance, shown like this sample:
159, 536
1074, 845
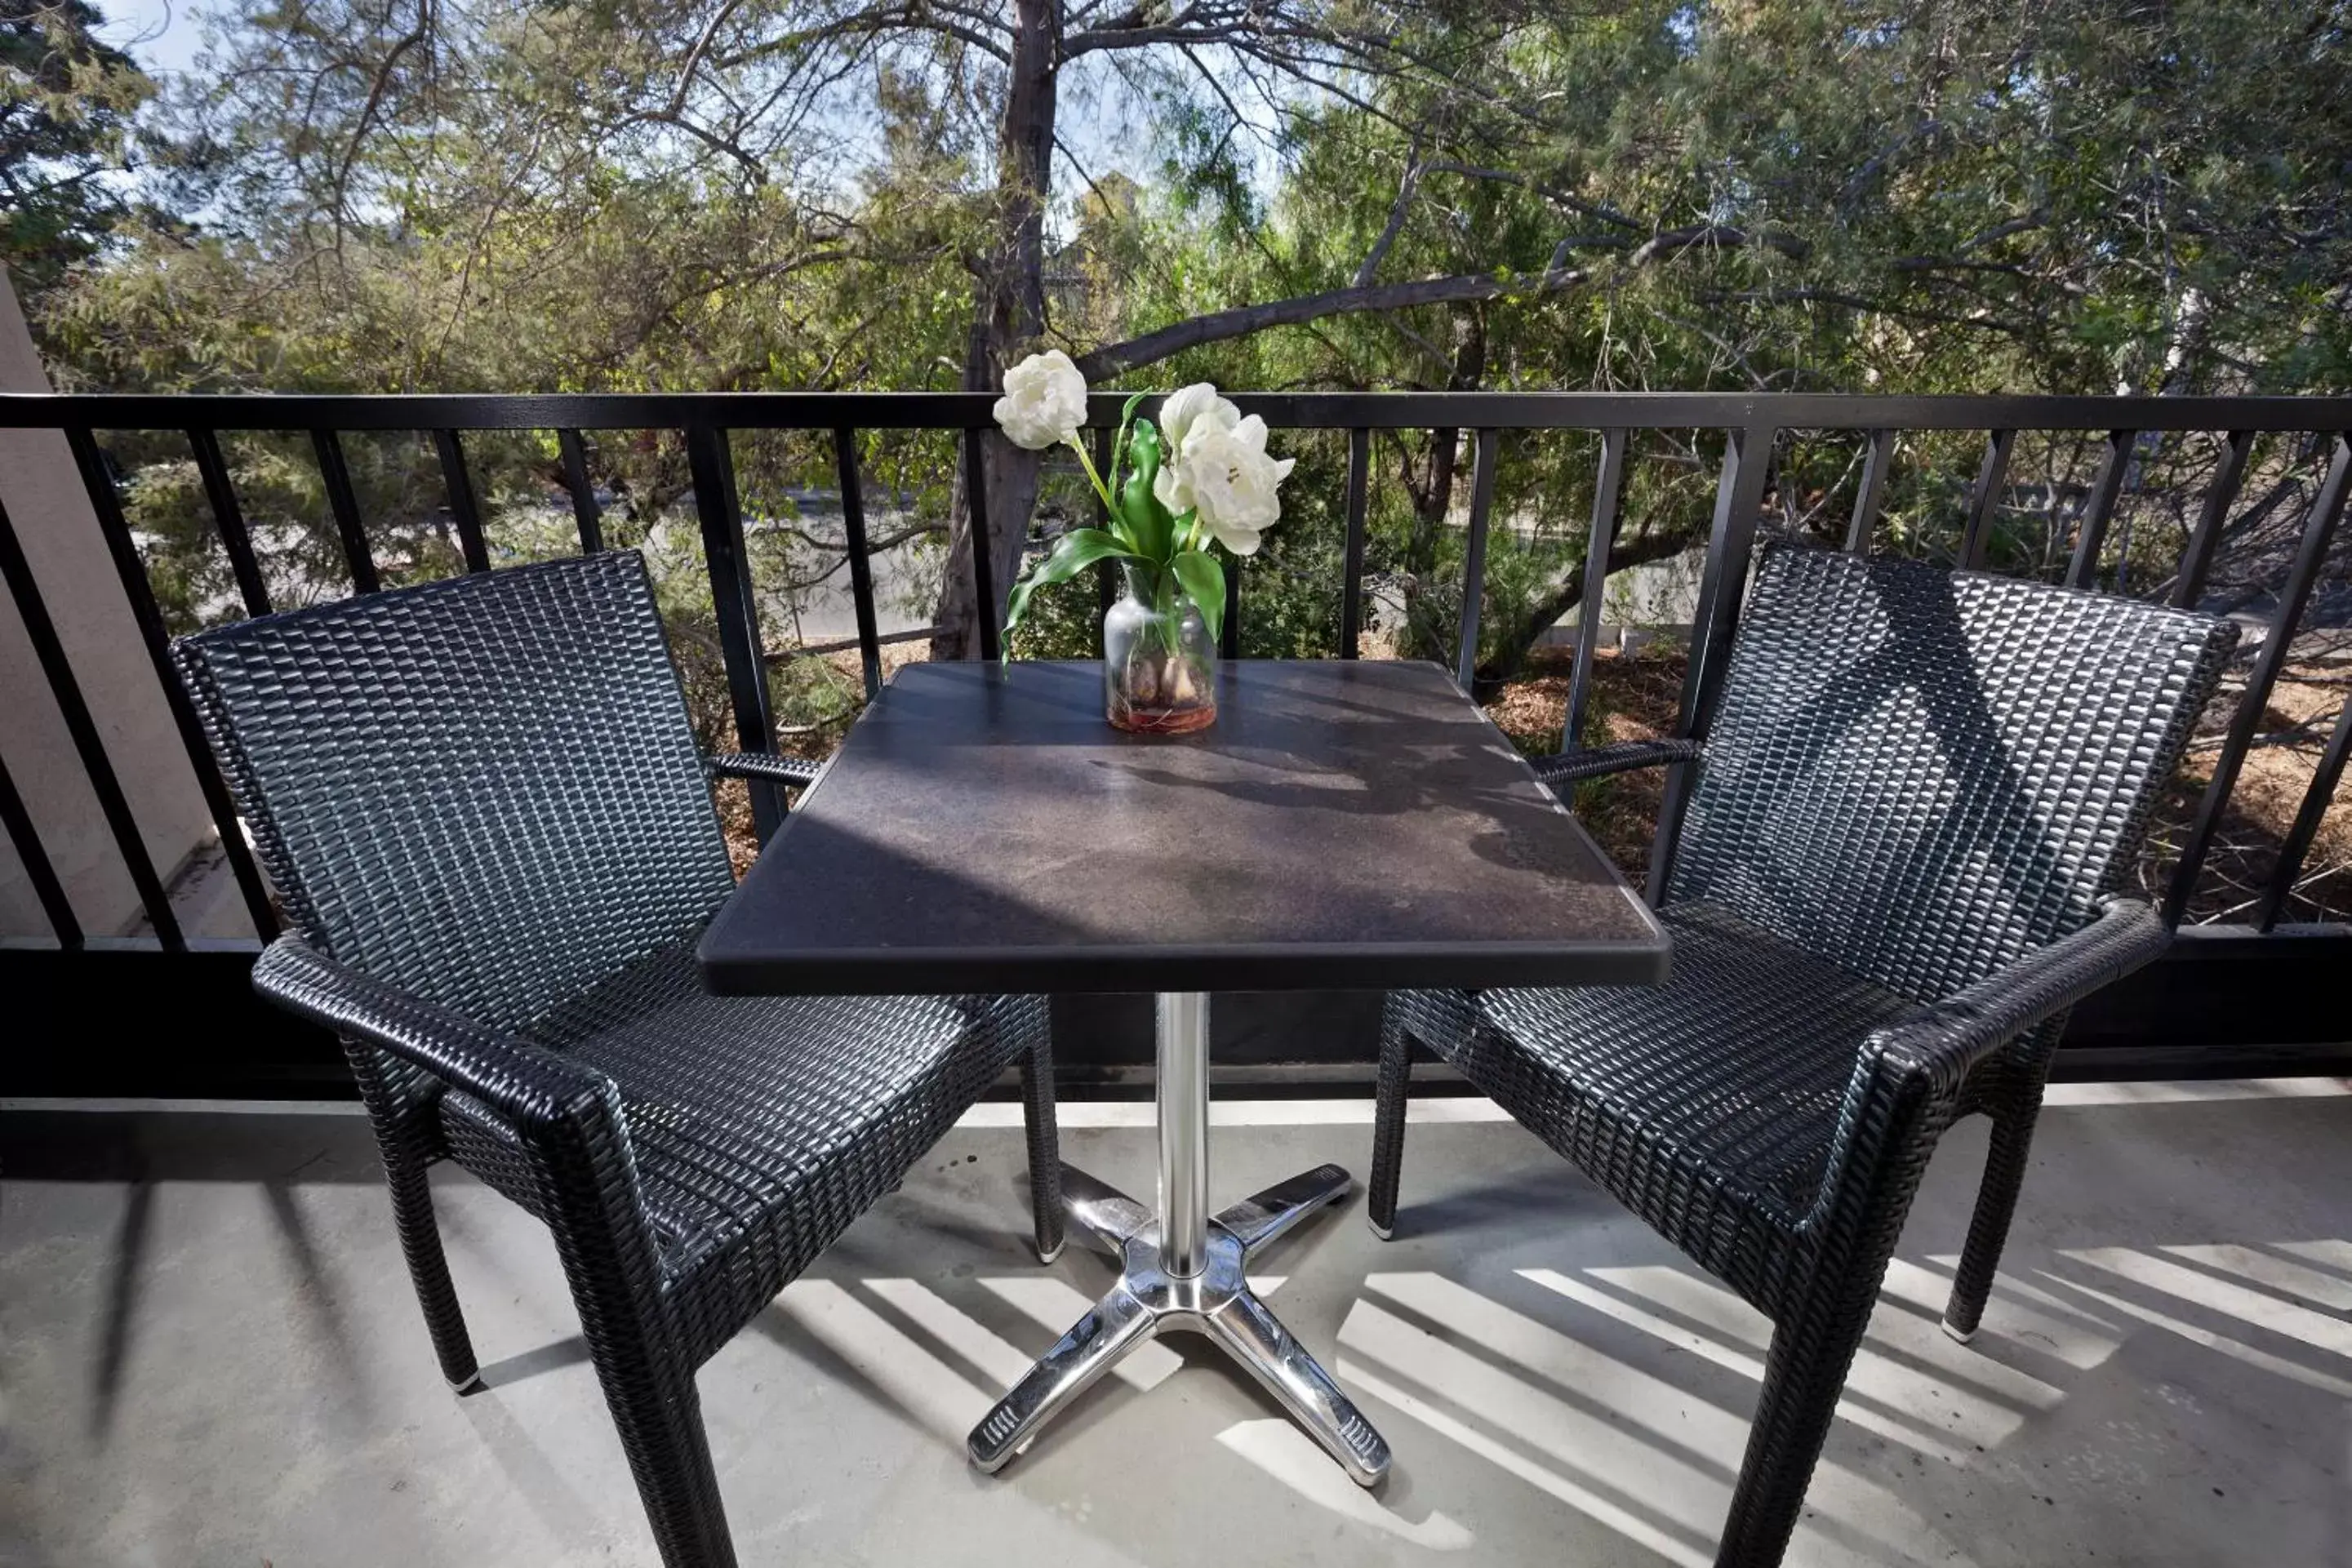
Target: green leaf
1144, 512
1079, 548
1205, 579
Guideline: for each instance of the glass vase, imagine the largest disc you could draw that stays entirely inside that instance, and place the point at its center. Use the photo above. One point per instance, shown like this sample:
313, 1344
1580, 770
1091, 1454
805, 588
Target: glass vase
1159, 666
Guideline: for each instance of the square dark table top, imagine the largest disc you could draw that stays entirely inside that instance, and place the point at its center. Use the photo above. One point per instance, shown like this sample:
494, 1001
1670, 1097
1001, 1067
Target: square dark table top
1344, 825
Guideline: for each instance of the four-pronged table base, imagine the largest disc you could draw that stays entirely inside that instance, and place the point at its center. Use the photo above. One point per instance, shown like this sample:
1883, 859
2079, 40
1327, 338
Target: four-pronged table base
1148, 1302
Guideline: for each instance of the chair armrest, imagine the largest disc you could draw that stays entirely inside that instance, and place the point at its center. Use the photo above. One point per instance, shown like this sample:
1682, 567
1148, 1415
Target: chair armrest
1617, 759
520, 1081
1945, 1043
793, 773
1908, 1076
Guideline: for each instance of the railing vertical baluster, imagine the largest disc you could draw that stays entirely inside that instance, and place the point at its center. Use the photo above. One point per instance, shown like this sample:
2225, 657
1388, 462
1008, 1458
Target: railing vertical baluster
1351, 570
861, 566
2295, 595
35, 862
732, 600
585, 510
2316, 802
1984, 499
1106, 572
983, 564
132, 572
228, 517
1731, 540
1474, 557
465, 510
1872, 496
2198, 558
2083, 571
41, 631
345, 504
1605, 489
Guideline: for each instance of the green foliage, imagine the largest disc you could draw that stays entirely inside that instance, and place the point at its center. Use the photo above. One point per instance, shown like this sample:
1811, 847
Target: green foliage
67, 102
1939, 196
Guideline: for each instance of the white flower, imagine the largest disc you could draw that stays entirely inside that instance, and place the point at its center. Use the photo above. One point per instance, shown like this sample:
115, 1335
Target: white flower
1193, 407
1044, 401
1189, 411
1224, 476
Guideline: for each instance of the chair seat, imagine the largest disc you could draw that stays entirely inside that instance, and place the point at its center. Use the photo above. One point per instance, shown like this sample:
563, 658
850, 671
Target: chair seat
1730, 1074
762, 1126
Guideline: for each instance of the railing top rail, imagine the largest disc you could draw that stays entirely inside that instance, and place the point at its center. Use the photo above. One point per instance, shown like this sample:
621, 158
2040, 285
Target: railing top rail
1324, 409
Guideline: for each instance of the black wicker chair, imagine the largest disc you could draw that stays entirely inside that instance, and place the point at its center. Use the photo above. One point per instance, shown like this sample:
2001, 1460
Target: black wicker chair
482, 807
1917, 804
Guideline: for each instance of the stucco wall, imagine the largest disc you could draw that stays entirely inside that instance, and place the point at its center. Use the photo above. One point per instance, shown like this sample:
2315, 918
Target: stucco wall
53, 521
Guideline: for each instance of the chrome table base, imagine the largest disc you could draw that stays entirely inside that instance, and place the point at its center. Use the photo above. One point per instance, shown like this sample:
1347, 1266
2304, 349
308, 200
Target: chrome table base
1182, 1270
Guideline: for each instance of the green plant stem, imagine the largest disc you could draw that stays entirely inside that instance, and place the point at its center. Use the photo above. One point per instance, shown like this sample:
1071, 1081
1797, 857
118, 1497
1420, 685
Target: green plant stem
1087, 462
1118, 448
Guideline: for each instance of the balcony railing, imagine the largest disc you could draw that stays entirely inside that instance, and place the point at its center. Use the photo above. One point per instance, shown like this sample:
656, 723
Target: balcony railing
1753, 429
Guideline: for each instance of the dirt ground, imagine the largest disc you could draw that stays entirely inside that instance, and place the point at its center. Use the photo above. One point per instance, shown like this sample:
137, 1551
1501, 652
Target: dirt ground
1635, 697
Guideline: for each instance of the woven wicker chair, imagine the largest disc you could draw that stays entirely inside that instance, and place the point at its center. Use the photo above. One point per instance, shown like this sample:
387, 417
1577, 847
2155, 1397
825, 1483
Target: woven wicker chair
1919, 797
481, 804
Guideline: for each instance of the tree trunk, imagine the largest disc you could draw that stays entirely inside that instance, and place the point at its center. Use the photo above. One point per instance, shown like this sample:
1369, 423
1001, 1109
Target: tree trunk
1640, 550
1431, 505
1009, 309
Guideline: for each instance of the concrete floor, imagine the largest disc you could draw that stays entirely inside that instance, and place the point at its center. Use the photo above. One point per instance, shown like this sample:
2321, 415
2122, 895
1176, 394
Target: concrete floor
218, 1361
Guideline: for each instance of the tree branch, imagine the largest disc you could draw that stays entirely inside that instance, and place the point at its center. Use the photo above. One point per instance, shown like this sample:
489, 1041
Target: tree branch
1220, 325
377, 88
1861, 302
1606, 213
1718, 236
1398, 211
1456, 289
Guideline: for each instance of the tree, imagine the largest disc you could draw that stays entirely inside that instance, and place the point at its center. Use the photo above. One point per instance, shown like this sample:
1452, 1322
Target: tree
1934, 195
66, 100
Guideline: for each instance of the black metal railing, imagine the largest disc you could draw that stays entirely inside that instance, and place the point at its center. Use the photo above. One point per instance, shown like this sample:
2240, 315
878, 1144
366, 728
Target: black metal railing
1751, 427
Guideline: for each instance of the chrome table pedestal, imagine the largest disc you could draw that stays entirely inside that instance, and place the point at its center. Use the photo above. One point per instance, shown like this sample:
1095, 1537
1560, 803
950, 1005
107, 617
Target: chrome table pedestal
1183, 1270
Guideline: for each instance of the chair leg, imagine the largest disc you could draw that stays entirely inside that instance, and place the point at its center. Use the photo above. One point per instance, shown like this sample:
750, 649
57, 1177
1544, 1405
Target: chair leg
428, 1267
1804, 1373
2012, 1140
1388, 1122
1045, 1146
658, 1415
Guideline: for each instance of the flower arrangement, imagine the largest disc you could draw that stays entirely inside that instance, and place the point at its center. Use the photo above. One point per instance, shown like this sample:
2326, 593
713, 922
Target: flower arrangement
1199, 479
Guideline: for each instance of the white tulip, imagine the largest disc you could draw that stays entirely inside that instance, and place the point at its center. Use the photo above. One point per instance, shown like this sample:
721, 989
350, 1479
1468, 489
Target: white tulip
1044, 401
1224, 476
1189, 411
1193, 407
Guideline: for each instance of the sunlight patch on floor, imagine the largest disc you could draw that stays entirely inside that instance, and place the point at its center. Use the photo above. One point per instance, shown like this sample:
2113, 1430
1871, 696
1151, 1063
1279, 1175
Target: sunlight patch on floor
939, 1399
2033, 1319
2321, 1289
1897, 1384
1638, 1453
1279, 1449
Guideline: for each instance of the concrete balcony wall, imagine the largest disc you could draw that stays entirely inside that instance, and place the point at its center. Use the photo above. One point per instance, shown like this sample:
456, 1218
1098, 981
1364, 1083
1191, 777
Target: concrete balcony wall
54, 521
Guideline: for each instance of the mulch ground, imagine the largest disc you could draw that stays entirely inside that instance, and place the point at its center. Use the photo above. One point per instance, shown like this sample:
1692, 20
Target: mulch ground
1635, 697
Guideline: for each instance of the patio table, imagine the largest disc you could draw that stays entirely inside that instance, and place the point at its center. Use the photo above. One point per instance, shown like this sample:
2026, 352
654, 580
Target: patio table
1344, 825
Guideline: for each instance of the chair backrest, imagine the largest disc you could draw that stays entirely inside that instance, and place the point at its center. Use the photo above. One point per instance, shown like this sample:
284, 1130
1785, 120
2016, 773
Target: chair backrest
1921, 775
483, 791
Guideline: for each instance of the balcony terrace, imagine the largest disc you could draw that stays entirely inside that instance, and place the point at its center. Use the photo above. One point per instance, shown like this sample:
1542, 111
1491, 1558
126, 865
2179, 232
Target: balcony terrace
209, 1348
211, 1355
